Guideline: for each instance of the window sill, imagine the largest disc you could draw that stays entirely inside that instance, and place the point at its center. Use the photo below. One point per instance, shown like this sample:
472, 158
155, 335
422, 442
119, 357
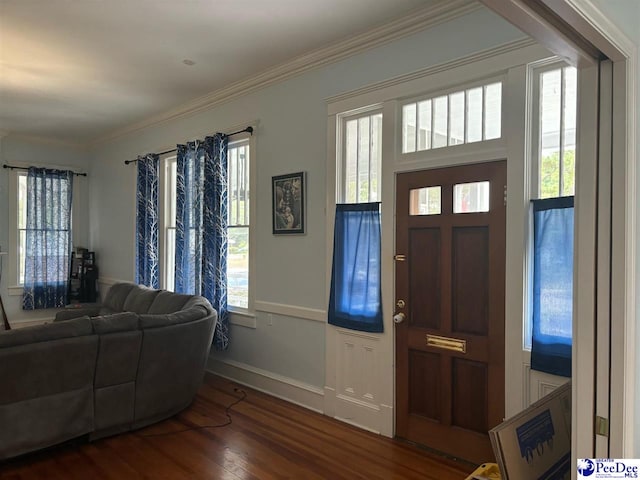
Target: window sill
15, 290
242, 318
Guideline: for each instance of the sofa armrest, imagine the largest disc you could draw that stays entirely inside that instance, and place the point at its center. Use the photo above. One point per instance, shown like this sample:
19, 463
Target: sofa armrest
73, 312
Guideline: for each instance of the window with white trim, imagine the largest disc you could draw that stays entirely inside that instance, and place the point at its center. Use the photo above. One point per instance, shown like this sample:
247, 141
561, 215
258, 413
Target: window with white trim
553, 160
18, 218
554, 109
355, 292
22, 224
464, 116
168, 226
238, 229
238, 226
360, 161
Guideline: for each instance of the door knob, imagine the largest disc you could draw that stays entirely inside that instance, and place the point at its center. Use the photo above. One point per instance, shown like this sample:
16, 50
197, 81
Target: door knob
399, 317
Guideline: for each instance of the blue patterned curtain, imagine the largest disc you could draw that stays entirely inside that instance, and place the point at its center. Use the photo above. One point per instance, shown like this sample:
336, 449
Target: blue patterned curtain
355, 297
201, 226
147, 221
48, 238
552, 285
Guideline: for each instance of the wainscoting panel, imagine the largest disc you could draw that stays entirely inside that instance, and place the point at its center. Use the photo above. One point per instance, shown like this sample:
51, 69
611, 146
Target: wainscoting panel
357, 388
539, 384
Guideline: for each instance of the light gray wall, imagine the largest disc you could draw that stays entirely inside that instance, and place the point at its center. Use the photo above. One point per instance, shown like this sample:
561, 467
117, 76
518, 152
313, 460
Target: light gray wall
291, 137
31, 152
626, 15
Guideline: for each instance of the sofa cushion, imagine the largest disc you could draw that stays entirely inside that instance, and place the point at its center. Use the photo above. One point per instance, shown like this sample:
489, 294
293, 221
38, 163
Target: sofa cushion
50, 331
44, 421
47, 368
198, 301
117, 295
118, 358
78, 311
116, 322
163, 320
107, 311
168, 302
139, 299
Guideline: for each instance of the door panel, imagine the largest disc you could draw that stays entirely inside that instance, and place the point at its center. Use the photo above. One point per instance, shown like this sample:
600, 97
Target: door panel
424, 271
470, 292
450, 350
470, 396
425, 369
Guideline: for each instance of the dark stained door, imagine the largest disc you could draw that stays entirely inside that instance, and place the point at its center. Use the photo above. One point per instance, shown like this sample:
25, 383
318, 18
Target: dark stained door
450, 271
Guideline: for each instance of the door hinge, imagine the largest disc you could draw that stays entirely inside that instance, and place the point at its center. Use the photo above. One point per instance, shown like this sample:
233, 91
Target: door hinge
602, 426
400, 258
505, 195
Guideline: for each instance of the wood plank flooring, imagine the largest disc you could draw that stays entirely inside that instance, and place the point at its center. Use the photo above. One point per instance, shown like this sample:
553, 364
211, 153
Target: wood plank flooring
267, 439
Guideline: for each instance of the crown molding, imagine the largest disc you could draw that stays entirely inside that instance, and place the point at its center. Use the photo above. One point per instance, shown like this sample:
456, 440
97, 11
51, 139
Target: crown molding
441, 67
417, 21
596, 27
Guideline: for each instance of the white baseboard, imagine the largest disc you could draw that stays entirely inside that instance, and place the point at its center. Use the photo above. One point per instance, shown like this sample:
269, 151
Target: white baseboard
358, 413
285, 388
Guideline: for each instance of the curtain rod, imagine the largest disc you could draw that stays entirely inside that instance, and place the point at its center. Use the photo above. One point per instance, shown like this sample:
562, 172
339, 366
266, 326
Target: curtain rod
13, 167
248, 129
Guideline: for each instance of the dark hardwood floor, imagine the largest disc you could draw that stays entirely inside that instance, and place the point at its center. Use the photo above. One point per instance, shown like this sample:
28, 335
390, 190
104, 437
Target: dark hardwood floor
268, 438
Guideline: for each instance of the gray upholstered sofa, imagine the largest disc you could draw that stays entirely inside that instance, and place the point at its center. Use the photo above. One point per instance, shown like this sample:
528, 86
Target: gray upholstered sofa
134, 360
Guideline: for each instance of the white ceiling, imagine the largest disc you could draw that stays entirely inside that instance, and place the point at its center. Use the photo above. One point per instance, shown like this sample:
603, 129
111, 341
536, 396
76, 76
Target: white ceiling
75, 70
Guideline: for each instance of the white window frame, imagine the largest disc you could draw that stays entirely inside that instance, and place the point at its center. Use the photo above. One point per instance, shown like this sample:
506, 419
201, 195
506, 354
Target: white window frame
15, 286
535, 71
166, 162
239, 316
447, 151
237, 142
341, 153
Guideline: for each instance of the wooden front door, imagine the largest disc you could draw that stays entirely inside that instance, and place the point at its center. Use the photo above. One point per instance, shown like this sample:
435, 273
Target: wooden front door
450, 280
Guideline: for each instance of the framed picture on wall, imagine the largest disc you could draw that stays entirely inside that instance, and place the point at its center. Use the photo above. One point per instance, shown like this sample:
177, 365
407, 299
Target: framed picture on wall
288, 203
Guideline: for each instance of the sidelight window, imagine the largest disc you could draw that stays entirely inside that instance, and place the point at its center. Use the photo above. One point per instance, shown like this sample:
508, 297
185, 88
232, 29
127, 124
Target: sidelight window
361, 157
355, 295
549, 326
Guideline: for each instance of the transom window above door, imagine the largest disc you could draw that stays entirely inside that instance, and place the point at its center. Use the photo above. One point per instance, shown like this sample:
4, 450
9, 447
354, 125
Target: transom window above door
456, 118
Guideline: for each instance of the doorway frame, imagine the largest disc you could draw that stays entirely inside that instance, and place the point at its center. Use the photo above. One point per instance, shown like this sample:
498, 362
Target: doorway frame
584, 28
375, 410
602, 33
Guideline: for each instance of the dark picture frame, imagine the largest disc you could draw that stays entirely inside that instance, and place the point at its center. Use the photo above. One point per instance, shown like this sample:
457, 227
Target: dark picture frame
288, 203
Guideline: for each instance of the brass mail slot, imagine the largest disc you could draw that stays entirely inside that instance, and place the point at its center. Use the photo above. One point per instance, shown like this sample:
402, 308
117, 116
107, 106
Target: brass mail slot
447, 343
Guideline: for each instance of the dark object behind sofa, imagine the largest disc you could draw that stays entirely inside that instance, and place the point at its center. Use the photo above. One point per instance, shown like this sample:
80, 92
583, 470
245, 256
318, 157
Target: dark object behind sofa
138, 360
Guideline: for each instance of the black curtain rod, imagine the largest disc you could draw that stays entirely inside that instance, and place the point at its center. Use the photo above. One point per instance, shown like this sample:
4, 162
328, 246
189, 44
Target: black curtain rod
248, 129
13, 167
